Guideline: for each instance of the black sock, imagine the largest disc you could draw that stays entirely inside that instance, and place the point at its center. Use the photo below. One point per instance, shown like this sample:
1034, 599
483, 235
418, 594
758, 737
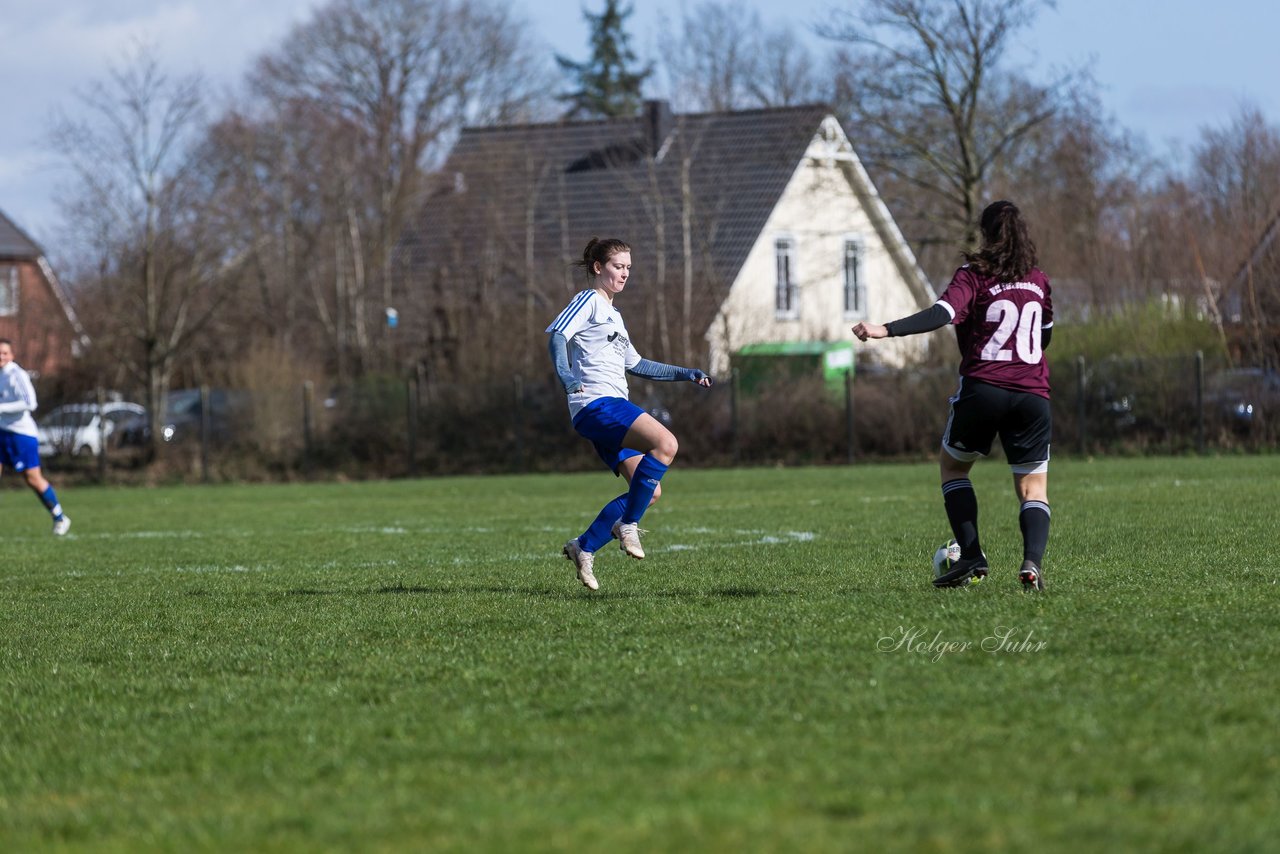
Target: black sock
962, 511
1034, 521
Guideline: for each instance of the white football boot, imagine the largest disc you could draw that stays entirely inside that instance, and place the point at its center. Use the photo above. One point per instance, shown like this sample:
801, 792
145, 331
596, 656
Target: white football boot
629, 538
584, 561
61, 526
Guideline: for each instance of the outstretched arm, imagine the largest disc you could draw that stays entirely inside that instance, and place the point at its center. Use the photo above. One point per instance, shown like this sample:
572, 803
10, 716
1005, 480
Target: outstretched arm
558, 347
663, 372
933, 317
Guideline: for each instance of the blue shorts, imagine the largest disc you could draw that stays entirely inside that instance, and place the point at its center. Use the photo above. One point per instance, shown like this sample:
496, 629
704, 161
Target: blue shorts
19, 452
604, 422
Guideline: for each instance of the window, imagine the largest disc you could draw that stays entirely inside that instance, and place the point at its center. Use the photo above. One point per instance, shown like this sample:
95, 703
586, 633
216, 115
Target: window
787, 300
121, 416
8, 290
855, 288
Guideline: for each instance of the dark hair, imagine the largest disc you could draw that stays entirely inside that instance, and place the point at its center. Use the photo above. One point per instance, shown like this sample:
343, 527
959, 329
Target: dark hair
600, 251
6, 341
1007, 252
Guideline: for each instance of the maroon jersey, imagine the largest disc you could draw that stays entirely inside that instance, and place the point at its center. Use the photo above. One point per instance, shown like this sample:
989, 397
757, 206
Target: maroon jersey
998, 326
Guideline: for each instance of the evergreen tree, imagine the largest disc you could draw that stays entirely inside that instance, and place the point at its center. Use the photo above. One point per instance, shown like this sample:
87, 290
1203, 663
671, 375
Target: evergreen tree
606, 85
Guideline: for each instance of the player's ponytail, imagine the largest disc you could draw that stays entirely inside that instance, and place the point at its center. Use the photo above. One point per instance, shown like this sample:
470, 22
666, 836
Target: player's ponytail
1007, 252
600, 251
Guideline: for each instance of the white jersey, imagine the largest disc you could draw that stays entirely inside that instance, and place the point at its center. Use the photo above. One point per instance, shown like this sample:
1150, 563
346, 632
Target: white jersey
600, 350
17, 401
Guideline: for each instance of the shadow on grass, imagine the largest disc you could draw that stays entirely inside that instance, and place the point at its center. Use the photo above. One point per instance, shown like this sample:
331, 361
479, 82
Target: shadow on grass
568, 593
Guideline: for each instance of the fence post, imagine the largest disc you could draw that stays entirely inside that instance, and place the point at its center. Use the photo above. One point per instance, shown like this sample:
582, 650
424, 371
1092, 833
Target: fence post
519, 422
1200, 401
1081, 413
422, 398
308, 424
734, 422
411, 397
204, 433
848, 411
102, 435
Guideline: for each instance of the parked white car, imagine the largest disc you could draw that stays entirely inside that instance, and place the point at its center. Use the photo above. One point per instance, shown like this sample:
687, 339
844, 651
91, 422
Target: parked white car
79, 428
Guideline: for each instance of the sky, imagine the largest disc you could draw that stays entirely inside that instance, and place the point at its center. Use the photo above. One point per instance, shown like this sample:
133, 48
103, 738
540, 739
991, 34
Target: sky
1165, 68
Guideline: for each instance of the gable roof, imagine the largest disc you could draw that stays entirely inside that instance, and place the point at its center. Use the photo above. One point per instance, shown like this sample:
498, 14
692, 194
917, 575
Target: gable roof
14, 242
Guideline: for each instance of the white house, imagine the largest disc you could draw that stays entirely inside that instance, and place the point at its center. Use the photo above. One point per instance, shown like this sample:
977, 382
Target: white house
829, 255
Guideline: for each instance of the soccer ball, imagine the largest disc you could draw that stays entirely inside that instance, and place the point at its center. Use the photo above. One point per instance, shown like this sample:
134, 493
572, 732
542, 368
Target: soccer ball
945, 557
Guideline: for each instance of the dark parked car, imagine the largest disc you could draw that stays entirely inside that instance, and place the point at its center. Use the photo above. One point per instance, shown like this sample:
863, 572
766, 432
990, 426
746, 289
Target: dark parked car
1117, 407
183, 414
1243, 395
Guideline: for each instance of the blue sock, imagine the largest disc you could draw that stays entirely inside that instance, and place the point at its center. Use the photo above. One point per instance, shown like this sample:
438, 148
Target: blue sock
51, 501
601, 530
643, 483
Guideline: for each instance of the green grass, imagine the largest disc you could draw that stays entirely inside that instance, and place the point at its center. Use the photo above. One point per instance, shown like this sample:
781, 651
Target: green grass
411, 665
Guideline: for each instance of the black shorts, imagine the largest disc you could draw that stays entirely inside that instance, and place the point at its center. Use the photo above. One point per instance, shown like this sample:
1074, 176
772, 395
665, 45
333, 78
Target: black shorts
980, 412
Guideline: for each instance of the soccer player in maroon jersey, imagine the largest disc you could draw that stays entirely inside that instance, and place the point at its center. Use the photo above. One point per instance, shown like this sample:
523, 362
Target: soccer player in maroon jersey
1000, 305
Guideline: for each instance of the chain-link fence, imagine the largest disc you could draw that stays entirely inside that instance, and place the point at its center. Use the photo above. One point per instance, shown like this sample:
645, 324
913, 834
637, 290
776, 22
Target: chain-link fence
1173, 404
391, 428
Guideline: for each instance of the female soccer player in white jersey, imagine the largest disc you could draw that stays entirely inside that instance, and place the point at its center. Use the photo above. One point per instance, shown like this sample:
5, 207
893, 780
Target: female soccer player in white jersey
593, 354
999, 302
19, 448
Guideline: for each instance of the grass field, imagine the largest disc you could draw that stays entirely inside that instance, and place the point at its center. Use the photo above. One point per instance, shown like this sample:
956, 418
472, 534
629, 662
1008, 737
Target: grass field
412, 665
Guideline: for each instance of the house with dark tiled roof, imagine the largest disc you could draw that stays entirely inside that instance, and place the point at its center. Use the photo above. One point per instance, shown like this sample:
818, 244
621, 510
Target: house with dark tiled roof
34, 311
749, 227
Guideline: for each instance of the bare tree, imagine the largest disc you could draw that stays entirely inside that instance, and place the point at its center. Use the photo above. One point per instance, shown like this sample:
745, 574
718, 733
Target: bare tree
1235, 174
395, 79
1080, 179
782, 72
270, 170
708, 65
726, 59
158, 271
1235, 179
932, 107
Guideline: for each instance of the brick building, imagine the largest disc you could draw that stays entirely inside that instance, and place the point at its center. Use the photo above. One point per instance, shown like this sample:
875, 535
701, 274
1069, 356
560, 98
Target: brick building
34, 311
